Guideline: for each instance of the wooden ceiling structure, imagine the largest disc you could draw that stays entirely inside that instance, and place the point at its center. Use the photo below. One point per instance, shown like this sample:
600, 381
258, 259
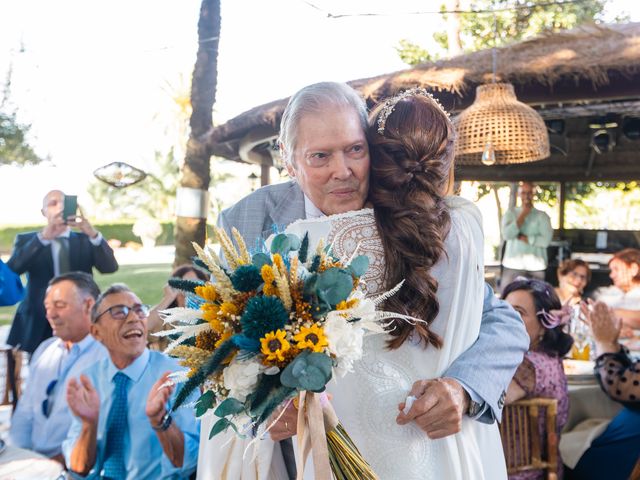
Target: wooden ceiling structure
575, 79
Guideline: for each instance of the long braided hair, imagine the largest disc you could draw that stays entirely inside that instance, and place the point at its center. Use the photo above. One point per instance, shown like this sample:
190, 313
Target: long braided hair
411, 159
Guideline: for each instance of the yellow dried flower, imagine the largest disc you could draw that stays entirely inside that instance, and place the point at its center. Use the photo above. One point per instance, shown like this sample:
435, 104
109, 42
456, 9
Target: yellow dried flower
228, 308
208, 292
347, 304
267, 274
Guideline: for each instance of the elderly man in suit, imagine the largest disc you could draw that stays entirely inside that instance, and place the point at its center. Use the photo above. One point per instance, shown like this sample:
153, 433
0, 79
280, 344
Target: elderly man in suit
56, 249
475, 383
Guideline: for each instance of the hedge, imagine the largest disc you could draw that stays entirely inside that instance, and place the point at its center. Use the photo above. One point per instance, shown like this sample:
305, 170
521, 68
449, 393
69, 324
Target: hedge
120, 231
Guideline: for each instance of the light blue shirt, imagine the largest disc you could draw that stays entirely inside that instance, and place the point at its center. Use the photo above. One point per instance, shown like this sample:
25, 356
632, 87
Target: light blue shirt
143, 454
30, 428
532, 254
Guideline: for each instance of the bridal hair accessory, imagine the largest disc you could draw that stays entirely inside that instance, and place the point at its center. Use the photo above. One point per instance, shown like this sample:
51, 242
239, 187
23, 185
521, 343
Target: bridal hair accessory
391, 102
555, 318
276, 325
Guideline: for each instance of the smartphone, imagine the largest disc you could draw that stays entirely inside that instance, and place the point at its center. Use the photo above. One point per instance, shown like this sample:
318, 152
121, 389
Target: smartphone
70, 207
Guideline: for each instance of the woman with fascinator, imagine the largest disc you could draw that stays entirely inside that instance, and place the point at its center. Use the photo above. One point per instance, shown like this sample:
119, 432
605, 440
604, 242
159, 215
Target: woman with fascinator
541, 373
417, 232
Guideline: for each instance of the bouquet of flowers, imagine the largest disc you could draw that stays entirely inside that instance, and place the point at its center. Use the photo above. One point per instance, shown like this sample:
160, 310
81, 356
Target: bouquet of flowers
274, 326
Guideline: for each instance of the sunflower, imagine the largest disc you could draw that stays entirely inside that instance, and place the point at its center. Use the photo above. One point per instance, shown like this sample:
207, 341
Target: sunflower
274, 345
312, 337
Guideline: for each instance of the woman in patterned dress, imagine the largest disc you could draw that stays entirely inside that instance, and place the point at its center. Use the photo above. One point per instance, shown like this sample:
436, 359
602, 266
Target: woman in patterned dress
541, 373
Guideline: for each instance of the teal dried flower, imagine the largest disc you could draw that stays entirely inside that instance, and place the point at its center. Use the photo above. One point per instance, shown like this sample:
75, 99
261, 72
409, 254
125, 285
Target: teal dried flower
246, 278
184, 284
262, 315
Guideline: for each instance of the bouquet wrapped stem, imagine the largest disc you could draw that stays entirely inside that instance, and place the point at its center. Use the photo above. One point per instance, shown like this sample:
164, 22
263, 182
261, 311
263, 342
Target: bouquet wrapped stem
332, 449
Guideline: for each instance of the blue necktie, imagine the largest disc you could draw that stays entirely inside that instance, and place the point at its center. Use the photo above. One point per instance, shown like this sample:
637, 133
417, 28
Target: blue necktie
113, 466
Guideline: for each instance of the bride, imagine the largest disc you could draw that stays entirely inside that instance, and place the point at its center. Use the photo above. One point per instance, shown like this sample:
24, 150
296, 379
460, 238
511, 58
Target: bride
434, 242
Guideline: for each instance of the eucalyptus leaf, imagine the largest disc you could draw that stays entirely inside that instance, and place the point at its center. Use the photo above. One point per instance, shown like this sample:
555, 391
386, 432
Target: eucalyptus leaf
220, 426
261, 259
205, 402
229, 406
279, 243
308, 371
334, 285
359, 265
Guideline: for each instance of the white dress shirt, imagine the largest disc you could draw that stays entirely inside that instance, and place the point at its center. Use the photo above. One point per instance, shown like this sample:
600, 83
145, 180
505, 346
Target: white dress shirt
30, 427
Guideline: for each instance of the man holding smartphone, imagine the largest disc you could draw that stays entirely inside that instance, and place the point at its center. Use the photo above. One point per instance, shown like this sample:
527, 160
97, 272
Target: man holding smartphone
54, 250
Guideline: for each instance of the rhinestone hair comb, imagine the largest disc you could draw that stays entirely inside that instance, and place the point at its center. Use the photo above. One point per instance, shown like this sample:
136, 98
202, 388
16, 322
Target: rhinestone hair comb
391, 102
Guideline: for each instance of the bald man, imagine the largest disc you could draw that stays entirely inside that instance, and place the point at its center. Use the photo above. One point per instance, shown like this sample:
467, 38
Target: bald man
54, 250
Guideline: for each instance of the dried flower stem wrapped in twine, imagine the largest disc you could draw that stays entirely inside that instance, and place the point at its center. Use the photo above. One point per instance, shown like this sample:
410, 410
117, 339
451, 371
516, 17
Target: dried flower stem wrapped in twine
331, 448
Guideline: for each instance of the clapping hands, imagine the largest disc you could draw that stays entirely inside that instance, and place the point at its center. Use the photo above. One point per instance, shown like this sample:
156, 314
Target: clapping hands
158, 398
604, 324
83, 400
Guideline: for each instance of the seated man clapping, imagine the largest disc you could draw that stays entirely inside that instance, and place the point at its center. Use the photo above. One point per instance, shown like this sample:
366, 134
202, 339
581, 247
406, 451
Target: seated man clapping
122, 428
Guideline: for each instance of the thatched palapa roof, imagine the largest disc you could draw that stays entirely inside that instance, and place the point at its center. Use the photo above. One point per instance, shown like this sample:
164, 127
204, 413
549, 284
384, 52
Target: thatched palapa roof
566, 74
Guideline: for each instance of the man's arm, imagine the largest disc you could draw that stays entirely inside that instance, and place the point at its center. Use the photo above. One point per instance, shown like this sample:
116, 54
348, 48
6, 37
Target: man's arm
545, 232
25, 249
103, 257
487, 367
22, 421
179, 439
630, 318
510, 229
84, 403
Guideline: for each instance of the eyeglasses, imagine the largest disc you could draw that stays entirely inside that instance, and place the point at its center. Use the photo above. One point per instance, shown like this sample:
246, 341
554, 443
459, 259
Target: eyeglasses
121, 312
47, 403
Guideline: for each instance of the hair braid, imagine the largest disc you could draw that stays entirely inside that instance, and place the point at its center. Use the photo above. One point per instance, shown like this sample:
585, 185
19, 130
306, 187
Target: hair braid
410, 168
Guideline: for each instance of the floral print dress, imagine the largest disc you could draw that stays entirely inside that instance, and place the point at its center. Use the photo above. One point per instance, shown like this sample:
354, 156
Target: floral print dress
542, 375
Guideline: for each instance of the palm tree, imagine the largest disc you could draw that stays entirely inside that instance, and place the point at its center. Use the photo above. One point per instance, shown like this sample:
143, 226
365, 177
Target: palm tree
196, 169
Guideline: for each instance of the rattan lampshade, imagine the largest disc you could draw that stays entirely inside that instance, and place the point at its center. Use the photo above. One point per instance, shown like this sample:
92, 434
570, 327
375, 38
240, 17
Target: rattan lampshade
516, 131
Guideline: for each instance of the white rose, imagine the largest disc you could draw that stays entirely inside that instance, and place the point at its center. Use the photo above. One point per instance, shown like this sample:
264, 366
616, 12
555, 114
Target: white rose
241, 377
345, 342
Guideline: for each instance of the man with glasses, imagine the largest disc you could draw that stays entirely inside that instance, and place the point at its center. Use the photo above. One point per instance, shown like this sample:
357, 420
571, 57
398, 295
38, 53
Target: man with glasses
42, 417
122, 426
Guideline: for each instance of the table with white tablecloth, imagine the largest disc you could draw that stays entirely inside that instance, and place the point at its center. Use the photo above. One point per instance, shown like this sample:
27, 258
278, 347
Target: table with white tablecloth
20, 464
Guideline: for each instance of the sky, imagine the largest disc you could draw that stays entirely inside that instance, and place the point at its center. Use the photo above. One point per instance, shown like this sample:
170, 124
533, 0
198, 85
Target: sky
94, 79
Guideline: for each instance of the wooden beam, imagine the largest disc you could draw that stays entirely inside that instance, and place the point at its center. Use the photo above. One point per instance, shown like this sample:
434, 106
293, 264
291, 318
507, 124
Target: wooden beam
561, 199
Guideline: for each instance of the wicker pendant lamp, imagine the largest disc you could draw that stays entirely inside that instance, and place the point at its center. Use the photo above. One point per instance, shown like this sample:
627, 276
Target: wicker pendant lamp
498, 129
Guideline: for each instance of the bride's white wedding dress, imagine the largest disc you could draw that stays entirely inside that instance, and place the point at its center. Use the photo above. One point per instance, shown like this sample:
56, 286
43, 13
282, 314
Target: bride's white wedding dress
366, 400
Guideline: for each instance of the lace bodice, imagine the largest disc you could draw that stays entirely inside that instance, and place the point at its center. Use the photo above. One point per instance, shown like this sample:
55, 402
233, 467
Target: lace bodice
366, 400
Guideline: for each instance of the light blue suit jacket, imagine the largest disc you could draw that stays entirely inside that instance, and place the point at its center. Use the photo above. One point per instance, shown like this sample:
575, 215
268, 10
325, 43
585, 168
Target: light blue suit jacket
485, 369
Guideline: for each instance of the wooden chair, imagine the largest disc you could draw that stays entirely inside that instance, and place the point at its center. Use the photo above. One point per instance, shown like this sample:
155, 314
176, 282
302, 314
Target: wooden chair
12, 372
523, 446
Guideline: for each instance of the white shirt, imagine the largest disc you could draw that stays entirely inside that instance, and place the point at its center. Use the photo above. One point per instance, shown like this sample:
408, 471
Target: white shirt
30, 428
310, 210
616, 298
55, 247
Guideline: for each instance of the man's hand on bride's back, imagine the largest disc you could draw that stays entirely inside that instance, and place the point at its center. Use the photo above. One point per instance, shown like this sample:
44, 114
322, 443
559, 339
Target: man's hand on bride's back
438, 408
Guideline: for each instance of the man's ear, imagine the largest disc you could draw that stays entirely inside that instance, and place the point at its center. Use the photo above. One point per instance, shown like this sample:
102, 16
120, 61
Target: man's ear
87, 306
95, 331
290, 170
634, 268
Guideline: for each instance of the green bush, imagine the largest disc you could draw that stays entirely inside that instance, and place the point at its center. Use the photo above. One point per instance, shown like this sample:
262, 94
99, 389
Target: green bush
120, 231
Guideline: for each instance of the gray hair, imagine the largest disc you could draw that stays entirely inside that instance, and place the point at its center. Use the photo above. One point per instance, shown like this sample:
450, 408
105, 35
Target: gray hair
84, 283
312, 99
112, 290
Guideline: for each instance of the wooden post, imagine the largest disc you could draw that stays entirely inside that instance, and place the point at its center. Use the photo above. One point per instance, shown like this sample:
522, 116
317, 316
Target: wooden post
265, 171
561, 199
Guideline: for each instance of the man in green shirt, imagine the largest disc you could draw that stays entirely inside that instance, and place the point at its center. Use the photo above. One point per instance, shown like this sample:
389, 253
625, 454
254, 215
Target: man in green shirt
527, 232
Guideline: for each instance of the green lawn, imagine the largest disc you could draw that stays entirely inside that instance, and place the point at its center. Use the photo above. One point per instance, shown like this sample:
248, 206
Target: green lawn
145, 280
